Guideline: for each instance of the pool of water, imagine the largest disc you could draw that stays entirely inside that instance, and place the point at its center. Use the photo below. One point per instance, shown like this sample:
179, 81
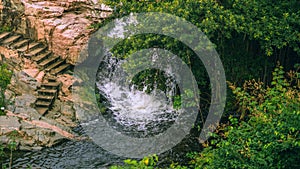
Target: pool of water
86, 154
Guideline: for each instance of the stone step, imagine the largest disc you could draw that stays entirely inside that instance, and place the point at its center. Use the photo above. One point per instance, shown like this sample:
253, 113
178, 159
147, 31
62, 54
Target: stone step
45, 59
4, 35
31, 46
43, 103
51, 79
49, 61
51, 85
35, 52
21, 43
54, 65
47, 91
43, 97
11, 39
42, 110
41, 57
60, 69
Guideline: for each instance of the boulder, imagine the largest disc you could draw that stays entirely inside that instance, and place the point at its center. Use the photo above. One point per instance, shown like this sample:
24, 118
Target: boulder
29, 136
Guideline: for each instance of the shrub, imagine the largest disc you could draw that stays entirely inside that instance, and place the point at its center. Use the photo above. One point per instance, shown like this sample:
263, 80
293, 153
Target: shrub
148, 162
5, 76
5, 29
269, 138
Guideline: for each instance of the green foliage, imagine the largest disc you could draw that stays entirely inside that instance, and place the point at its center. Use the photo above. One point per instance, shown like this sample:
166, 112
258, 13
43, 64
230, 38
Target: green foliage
2, 154
273, 24
148, 162
270, 136
243, 32
11, 146
5, 76
5, 29
266, 133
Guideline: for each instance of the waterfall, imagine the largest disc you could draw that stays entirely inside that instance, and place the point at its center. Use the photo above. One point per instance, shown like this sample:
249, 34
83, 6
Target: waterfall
132, 110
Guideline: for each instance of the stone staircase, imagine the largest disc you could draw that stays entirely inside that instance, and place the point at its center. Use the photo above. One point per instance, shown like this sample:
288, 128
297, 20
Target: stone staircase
51, 64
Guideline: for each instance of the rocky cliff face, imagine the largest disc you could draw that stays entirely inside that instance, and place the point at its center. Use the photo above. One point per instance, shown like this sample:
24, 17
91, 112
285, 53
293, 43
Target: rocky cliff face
65, 25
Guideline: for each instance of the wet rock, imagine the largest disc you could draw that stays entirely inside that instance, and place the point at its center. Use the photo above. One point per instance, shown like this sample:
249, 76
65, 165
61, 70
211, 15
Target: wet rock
41, 138
34, 138
27, 143
30, 148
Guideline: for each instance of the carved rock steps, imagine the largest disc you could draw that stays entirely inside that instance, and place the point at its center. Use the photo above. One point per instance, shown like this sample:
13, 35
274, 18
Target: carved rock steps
46, 96
39, 53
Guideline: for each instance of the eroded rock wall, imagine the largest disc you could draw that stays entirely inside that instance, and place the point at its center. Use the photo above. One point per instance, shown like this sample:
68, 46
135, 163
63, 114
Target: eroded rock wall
65, 25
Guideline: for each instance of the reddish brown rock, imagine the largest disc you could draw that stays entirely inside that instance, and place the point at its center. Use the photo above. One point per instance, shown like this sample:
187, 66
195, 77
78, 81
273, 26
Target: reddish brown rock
8, 53
64, 25
31, 72
67, 82
29, 64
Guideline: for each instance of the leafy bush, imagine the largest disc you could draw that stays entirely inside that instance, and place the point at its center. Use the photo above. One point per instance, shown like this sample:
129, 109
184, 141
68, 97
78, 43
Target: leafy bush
11, 146
148, 162
268, 137
5, 76
5, 29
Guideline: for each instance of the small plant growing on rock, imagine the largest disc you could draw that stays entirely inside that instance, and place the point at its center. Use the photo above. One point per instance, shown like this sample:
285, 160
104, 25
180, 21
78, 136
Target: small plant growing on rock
5, 29
11, 147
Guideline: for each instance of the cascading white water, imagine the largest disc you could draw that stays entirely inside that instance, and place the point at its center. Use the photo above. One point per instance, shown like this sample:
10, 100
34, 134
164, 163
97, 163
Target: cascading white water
131, 108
